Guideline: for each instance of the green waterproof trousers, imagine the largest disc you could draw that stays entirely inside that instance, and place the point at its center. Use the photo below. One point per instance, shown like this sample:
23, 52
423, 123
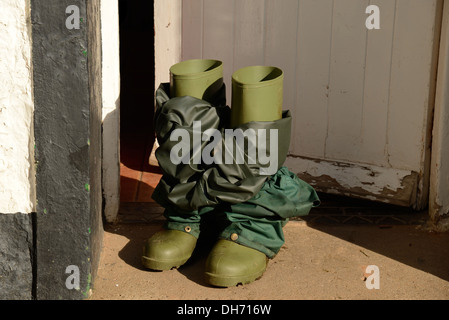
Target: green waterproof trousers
246, 192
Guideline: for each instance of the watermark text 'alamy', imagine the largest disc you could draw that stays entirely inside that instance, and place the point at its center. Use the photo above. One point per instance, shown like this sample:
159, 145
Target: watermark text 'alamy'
250, 143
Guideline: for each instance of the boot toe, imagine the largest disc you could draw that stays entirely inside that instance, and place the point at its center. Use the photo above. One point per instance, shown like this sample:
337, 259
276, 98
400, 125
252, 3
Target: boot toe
230, 264
168, 249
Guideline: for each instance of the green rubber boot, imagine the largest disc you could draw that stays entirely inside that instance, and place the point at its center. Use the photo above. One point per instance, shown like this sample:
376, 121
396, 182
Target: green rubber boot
198, 78
257, 95
168, 249
230, 264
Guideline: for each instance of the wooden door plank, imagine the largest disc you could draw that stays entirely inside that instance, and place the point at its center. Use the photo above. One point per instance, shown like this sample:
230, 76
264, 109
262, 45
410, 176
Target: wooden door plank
411, 83
439, 183
192, 29
249, 33
280, 43
348, 54
376, 91
218, 36
312, 78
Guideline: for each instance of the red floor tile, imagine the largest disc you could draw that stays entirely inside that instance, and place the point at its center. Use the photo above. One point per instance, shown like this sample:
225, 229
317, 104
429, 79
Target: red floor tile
147, 185
137, 178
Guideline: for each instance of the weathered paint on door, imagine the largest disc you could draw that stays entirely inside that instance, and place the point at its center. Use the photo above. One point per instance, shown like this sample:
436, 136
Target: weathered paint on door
362, 100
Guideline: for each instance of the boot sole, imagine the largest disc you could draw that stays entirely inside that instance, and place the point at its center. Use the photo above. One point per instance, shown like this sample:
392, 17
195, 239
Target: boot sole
159, 265
231, 281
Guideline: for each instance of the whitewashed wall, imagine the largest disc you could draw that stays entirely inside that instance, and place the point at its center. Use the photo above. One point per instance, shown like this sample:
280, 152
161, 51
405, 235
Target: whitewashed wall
111, 107
361, 99
17, 185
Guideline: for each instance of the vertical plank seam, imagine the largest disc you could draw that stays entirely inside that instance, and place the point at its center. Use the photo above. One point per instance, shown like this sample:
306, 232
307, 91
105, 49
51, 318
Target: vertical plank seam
295, 98
329, 80
202, 29
364, 83
233, 35
387, 154
182, 30
264, 38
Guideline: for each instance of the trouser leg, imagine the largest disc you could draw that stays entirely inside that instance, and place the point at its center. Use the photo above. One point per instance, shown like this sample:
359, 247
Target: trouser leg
262, 234
184, 221
258, 223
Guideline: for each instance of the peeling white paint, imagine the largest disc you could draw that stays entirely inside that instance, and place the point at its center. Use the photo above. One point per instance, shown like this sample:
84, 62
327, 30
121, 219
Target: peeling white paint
17, 178
373, 182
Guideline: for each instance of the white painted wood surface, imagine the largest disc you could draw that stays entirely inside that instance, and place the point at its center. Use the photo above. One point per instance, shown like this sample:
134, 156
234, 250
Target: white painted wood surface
111, 108
361, 99
167, 43
439, 184
167, 37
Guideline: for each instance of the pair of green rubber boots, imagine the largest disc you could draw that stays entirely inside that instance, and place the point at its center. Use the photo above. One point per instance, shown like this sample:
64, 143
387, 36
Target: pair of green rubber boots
256, 96
227, 265
257, 91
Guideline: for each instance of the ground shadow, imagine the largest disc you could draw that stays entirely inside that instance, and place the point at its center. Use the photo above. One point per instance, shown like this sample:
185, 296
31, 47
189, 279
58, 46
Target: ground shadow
131, 253
395, 232
420, 249
134, 190
138, 233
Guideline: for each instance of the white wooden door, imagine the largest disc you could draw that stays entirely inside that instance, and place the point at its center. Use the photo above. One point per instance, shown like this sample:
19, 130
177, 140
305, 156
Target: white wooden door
361, 99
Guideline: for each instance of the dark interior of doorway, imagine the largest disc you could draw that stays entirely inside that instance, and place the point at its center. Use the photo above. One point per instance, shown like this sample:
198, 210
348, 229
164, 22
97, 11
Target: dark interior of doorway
137, 177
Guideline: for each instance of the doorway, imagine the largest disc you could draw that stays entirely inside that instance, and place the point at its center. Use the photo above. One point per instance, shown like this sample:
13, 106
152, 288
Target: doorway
137, 177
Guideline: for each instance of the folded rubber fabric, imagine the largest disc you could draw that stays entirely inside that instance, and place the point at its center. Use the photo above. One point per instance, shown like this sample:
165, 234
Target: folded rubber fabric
249, 198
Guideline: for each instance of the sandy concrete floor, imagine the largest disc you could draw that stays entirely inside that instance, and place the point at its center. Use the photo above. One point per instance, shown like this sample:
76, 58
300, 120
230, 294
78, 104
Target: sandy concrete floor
323, 262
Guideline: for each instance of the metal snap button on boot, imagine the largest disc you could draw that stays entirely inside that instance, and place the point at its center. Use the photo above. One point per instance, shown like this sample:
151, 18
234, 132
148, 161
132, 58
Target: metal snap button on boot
234, 236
